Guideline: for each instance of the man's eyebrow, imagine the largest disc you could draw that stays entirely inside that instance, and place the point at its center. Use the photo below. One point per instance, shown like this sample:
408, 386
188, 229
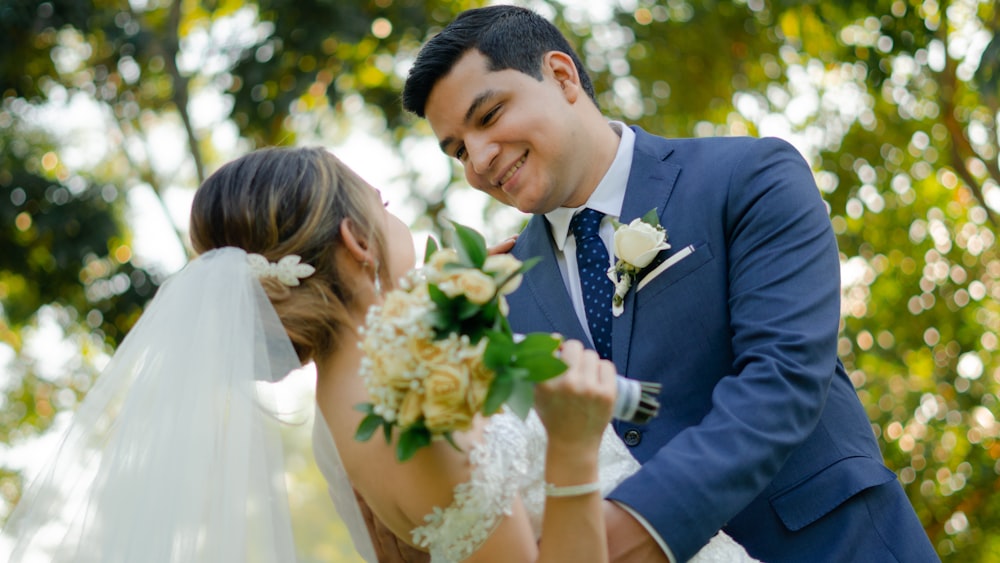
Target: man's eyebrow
477, 103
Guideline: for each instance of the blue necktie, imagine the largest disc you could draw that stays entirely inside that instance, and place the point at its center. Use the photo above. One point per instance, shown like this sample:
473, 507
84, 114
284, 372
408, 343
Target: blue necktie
592, 262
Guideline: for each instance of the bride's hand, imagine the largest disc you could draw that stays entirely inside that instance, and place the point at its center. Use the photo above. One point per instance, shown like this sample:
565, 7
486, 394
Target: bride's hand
576, 406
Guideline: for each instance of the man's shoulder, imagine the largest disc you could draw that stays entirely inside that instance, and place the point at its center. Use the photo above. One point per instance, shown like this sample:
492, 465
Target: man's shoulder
642, 134
690, 147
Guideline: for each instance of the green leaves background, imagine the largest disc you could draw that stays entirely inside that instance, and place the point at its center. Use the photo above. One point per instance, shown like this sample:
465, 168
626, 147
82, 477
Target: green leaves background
894, 103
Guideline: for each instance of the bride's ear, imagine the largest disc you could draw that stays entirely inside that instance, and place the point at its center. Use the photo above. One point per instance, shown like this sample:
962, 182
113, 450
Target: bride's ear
355, 243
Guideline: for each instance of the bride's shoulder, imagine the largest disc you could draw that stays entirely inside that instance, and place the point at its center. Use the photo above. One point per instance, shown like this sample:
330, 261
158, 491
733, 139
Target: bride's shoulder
403, 493
481, 505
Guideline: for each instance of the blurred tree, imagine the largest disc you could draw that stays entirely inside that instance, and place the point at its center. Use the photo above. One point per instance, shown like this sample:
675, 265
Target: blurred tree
895, 103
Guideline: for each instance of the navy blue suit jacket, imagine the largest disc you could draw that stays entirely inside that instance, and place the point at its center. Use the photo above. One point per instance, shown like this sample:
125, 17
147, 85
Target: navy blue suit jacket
761, 432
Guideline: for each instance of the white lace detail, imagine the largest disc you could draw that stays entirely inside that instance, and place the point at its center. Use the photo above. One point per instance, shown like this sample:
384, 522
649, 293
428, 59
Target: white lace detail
288, 270
722, 549
511, 460
499, 464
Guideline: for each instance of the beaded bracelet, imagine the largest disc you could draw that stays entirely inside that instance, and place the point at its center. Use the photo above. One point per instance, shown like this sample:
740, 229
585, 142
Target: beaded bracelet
572, 490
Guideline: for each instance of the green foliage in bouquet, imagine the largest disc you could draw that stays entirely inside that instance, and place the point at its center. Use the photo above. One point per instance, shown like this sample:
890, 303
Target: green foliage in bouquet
439, 349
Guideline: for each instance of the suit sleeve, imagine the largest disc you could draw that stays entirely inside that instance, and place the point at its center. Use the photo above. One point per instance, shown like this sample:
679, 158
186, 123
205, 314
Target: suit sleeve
783, 301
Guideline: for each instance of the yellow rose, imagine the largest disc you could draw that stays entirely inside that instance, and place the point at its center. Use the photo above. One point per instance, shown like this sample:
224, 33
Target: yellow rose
438, 260
397, 304
446, 384
504, 265
391, 370
444, 405
427, 351
475, 285
440, 420
411, 409
480, 378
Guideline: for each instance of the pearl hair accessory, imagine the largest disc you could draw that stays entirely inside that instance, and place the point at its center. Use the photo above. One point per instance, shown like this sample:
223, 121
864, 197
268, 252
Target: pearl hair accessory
289, 270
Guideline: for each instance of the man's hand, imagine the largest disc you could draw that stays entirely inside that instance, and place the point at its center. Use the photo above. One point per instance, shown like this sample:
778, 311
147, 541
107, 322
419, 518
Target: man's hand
628, 540
502, 247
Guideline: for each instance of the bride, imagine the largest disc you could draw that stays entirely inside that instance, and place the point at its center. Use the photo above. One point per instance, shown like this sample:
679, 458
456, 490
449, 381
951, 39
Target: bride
173, 455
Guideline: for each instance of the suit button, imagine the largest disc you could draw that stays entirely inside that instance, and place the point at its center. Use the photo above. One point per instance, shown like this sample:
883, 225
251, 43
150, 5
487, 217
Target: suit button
632, 437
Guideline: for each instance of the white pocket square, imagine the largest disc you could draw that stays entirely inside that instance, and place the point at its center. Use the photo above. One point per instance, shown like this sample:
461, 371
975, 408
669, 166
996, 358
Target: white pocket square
666, 265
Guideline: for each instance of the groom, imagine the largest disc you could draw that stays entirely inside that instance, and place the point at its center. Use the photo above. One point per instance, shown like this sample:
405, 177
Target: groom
760, 431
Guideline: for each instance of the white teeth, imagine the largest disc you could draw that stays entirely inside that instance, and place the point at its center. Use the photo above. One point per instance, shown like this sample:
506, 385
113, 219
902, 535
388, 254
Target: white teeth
513, 169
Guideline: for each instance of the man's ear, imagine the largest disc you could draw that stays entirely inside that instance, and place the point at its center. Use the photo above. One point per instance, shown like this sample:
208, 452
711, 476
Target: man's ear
355, 244
560, 66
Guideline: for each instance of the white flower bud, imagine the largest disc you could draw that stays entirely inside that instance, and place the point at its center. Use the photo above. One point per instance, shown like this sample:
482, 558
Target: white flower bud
638, 243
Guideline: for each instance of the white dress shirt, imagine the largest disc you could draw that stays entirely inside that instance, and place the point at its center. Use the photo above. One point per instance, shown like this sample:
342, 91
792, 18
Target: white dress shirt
608, 198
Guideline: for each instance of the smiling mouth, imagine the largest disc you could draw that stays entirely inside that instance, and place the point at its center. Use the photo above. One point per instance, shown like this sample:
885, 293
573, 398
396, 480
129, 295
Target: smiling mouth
513, 169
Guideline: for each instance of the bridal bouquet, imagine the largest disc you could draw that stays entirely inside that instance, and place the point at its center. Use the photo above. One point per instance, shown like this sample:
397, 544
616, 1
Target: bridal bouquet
439, 348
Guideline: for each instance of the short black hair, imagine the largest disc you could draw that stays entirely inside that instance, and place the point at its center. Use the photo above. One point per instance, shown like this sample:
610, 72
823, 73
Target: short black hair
510, 37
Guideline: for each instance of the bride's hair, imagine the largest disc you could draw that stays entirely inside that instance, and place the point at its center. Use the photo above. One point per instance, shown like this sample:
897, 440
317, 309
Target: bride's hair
281, 201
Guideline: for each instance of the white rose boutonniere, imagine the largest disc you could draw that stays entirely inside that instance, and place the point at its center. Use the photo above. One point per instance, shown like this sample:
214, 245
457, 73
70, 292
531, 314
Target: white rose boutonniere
636, 245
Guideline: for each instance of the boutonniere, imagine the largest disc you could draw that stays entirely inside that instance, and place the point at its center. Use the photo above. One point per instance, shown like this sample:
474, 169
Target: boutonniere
636, 245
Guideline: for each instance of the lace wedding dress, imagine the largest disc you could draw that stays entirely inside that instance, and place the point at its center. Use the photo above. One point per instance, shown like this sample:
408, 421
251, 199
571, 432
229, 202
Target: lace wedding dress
509, 461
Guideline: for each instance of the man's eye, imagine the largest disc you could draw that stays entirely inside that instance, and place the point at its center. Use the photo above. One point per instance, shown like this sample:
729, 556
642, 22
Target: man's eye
490, 115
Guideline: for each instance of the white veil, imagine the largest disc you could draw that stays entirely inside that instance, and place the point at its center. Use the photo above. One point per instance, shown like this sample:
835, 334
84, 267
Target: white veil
174, 455
340, 489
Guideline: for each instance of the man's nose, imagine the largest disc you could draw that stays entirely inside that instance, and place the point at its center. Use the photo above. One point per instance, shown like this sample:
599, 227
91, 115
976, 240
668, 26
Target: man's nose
482, 152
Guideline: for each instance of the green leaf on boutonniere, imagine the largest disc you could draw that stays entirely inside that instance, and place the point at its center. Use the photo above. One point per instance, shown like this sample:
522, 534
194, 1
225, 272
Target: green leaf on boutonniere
651, 217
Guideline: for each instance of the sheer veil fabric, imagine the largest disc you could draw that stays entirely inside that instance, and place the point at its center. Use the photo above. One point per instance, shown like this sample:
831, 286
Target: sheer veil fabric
340, 489
174, 455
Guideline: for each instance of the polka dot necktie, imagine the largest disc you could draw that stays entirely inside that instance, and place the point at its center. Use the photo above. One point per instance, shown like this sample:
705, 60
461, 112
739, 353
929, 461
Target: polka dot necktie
592, 262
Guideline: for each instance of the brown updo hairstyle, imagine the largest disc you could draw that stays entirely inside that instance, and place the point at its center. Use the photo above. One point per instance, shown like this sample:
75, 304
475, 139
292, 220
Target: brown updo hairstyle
281, 201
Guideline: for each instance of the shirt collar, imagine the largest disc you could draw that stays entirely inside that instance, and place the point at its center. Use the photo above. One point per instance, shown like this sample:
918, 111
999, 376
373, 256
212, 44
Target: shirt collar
608, 196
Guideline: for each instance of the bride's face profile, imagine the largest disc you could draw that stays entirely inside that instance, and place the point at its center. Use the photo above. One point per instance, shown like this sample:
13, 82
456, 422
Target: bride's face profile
400, 256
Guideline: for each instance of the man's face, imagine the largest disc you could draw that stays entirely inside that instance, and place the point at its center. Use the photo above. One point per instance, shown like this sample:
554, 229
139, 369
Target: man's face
513, 134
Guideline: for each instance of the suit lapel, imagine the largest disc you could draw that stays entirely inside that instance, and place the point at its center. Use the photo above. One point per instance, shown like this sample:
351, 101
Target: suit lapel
544, 282
650, 183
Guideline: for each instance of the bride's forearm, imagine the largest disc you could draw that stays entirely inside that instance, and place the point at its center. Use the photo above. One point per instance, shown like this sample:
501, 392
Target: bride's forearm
573, 526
